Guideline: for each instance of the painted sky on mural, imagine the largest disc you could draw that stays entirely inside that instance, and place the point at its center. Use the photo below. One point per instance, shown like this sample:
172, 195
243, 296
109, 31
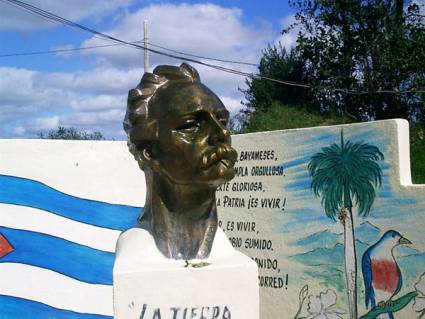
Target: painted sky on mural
87, 89
387, 195
316, 252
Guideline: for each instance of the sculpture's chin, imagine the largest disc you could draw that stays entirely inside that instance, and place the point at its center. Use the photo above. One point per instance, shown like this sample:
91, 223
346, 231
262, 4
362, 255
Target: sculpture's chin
224, 177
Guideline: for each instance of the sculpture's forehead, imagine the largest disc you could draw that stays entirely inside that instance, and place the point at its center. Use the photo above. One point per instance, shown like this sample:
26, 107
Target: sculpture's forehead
185, 98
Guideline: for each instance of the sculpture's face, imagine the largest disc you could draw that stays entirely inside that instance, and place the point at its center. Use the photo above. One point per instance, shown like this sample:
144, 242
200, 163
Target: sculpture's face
193, 140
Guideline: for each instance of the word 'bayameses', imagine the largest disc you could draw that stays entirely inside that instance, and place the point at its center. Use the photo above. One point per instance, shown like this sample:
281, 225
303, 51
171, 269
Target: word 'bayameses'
177, 131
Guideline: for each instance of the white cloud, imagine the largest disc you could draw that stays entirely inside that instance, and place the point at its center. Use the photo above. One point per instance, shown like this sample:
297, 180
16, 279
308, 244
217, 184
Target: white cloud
66, 53
288, 39
222, 83
94, 119
202, 29
101, 80
37, 125
99, 102
32, 101
10, 113
20, 88
19, 131
13, 18
95, 99
108, 122
233, 105
45, 123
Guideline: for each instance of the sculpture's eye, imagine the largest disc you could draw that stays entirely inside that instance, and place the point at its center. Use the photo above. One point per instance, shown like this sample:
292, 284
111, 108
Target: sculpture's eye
223, 121
188, 126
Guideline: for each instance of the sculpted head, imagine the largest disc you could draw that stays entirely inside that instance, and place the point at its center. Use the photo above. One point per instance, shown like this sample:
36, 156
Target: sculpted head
177, 132
177, 128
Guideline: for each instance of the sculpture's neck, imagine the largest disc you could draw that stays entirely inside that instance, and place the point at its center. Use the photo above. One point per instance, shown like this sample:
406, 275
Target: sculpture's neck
181, 218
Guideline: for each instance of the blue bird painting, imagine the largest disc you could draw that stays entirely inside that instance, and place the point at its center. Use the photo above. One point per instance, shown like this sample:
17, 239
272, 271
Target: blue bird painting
381, 274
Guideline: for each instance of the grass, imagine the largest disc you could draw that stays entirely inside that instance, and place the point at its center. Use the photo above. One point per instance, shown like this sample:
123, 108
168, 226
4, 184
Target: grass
281, 117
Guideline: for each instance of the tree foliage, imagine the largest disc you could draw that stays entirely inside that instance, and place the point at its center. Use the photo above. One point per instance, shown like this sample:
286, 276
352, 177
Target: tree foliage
277, 63
70, 133
278, 116
417, 153
364, 46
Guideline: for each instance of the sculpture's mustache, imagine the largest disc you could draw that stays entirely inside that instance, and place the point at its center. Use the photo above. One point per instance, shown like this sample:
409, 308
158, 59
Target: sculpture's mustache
223, 153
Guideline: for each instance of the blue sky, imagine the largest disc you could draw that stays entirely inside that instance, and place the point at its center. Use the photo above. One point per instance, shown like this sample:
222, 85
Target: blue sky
87, 89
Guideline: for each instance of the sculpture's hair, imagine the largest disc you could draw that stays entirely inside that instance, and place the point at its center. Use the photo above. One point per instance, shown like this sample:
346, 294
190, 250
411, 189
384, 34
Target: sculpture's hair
140, 126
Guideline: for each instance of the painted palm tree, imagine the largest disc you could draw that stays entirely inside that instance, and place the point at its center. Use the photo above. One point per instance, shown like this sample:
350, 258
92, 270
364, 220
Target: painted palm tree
347, 176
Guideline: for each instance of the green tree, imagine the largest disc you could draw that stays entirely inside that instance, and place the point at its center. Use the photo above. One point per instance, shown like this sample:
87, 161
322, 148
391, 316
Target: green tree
367, 46
70, 133
344, 176
417, 153
277, 63
279, 117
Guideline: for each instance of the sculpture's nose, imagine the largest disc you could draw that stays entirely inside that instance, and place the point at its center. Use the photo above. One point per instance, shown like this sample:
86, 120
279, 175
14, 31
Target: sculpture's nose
219, 133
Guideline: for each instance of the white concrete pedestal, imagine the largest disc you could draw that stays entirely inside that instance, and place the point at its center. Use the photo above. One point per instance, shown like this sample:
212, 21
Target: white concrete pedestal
149, 286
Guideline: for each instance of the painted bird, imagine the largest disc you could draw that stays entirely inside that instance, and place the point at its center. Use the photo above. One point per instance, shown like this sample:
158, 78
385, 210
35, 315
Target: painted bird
381, 274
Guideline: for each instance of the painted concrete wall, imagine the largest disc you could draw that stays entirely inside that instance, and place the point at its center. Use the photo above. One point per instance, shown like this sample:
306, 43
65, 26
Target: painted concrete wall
64, 203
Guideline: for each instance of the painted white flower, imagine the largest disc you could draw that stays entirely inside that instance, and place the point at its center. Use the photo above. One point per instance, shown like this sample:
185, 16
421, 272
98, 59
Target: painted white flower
303, 294
419, 303
323, 306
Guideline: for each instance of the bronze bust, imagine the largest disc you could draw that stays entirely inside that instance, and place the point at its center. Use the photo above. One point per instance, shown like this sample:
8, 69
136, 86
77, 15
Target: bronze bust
177, 132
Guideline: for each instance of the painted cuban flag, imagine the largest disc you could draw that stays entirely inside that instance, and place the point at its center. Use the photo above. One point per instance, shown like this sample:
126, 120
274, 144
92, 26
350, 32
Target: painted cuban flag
56, 251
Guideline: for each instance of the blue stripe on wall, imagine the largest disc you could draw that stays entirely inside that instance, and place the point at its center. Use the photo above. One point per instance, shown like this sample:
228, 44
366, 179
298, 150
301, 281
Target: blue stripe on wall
26, 192
298, 161
57, 254
13, 308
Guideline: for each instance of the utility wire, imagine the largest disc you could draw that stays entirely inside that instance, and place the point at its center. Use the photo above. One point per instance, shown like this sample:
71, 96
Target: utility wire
116, 44
202, 57
40, 16
60, 50
15, 4
102, 46
67, 22
54, 17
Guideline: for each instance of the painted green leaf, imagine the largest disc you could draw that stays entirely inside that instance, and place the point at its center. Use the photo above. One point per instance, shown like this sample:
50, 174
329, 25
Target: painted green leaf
396, 306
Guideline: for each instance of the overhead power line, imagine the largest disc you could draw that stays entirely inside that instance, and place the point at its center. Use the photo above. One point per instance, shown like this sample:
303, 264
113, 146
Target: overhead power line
202, 57
55, 18
59, 50
5, 55
45, 15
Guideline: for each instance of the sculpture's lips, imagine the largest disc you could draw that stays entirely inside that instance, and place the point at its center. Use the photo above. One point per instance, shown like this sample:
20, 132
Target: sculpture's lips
224, 154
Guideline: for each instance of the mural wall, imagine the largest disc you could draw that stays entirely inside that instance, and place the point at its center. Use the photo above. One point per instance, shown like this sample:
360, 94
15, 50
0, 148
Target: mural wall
63, 205
327, 213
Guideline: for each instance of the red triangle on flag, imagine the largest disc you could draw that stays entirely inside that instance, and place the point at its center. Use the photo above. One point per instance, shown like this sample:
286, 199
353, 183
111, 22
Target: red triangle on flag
5, 246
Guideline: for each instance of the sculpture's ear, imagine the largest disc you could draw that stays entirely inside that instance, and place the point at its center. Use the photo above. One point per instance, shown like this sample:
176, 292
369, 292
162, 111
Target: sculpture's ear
144, 137
145, 156
146, 134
